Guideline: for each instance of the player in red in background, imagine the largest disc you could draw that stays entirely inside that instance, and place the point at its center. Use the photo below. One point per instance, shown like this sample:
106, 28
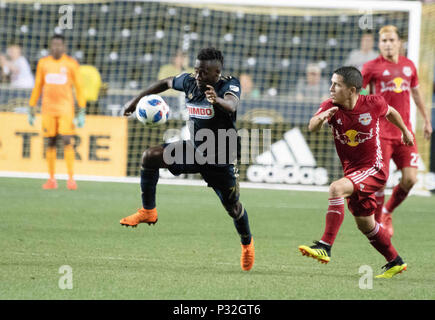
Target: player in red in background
354, 120
394, 77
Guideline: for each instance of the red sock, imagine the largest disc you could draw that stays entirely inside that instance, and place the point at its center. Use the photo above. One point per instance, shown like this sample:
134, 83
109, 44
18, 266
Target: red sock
334, 218
380, 198
381, 241
396, 198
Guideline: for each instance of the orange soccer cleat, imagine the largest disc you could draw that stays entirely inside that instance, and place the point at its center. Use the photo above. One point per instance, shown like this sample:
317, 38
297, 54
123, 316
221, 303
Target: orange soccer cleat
50, 184
71, 184
248, 256
141, 216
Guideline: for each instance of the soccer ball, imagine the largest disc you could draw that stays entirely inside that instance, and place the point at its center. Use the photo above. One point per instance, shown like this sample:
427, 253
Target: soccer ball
152, 110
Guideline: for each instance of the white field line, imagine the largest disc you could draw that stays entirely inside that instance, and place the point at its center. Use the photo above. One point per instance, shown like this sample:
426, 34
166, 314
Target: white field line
185, 182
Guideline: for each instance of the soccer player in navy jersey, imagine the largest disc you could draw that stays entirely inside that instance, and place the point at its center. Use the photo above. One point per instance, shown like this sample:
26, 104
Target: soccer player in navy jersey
212, 101
354, 120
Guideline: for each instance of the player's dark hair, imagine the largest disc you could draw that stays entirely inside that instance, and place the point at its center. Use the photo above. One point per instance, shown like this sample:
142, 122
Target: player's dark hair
352, 77
58, 36
210, 54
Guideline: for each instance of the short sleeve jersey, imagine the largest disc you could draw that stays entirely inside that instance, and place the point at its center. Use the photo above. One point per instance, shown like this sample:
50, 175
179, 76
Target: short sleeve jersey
393, 81
203, 114
356, 133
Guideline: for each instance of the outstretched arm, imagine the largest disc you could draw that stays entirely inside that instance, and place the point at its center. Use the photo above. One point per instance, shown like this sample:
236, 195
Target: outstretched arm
394, 117
318, 120
155, 88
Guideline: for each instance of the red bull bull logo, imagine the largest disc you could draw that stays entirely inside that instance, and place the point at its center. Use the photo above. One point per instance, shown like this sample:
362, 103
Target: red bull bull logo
352, 137
397, 85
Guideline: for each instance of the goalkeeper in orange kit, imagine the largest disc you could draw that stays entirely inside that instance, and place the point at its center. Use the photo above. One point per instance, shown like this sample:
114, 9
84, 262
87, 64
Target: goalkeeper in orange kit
55, 77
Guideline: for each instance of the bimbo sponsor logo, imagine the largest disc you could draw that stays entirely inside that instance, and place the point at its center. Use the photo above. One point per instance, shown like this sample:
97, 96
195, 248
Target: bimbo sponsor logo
200, 112
56, 78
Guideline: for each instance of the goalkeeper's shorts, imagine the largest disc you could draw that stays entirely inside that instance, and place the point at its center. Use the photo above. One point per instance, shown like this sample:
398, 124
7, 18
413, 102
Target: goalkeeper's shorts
54, 125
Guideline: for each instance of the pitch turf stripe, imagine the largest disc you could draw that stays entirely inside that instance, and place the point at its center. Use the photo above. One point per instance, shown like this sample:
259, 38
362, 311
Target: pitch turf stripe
160, 261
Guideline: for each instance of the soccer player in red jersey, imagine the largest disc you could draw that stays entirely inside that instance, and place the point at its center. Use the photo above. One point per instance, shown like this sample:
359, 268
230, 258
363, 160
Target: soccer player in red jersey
394, 77
355, 122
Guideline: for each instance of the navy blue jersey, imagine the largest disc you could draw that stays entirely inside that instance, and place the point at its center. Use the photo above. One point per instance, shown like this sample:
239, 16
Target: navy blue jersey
201, 112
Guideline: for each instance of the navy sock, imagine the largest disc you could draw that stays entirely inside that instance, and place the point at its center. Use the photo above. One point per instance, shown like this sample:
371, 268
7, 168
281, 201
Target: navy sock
242, 226
148, 182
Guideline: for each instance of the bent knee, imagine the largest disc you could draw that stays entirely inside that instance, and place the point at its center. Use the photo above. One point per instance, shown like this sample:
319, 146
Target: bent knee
235, 210
336, 189
151, 158
408, 182
365, 224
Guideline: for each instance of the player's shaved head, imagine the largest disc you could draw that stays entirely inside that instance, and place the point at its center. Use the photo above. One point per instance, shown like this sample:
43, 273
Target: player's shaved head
351, 76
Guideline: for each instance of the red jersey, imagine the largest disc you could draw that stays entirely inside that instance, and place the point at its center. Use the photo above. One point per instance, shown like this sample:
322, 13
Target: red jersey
393, 81
356, 133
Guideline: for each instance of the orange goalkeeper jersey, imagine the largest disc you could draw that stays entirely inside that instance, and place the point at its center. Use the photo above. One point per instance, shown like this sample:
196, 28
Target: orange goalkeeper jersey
55, 80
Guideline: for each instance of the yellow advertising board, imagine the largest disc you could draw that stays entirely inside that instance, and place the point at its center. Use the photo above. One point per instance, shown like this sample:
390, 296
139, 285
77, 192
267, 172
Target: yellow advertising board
100, 146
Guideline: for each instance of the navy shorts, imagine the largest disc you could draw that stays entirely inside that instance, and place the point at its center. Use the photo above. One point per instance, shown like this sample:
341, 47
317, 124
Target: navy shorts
222, 178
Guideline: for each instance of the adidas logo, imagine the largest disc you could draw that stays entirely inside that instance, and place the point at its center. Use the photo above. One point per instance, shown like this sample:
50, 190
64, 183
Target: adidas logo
386, 73
289, 160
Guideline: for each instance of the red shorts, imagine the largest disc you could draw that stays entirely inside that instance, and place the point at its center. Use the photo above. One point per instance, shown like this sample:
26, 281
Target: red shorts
403, 156
365, 182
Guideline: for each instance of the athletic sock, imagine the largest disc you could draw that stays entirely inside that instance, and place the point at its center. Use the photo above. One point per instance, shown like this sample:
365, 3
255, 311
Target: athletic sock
148, 183
334, 219
380, 239
68, 152
396, 199
242, 227
50, 156
380, 199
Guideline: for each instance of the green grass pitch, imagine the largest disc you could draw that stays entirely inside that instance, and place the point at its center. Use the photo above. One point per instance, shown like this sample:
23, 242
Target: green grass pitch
193, 252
